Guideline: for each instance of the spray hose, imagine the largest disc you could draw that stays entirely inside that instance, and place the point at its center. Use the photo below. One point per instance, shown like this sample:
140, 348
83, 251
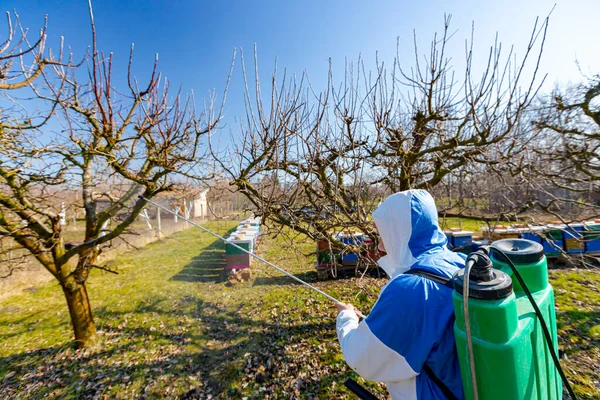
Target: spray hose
468, 265
359, 390
361, 315
543, 325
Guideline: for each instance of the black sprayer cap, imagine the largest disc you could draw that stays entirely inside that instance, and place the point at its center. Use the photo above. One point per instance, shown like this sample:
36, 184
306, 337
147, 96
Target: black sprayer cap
520, 251
485, 283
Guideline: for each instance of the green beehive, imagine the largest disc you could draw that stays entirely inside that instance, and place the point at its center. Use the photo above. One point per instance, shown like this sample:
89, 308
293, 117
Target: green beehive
325, 257
244, 244
511, 357
553, 243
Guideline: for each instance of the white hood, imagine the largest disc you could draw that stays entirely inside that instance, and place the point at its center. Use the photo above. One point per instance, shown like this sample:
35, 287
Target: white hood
408, 225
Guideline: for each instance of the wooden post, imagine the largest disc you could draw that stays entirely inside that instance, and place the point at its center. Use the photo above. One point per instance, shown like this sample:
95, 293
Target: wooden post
185, 212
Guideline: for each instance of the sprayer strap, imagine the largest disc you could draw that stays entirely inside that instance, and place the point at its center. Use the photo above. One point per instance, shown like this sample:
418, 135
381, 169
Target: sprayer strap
442, 280
447, 392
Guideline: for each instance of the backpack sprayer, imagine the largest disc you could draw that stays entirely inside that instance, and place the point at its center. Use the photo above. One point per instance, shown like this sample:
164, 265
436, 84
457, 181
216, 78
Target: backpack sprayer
505, 332
505, 348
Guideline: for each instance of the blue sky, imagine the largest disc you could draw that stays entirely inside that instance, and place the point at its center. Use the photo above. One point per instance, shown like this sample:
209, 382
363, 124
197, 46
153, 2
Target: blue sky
195, 39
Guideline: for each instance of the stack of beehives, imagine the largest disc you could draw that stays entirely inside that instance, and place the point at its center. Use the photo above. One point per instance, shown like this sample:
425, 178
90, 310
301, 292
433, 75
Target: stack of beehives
557, 237
238, 261
350, 248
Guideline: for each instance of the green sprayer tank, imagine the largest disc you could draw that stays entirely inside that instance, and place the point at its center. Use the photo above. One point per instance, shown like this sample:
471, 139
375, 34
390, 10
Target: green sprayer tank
511, 358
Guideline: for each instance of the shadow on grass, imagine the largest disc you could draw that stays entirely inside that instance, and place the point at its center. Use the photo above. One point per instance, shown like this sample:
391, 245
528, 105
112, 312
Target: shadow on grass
228, 349
309, 277
579, 324
208, 266
223, 348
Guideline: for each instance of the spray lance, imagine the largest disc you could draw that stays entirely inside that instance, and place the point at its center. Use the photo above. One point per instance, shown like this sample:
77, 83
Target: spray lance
336, 301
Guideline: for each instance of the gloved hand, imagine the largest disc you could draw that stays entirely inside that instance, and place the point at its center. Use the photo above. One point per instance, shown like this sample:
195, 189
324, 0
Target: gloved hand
343, 306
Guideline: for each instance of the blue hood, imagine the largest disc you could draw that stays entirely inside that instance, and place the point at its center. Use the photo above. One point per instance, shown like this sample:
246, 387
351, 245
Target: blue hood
408, 225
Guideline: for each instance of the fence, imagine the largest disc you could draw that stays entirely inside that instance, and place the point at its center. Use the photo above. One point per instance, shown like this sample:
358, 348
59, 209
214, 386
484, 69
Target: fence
149, 227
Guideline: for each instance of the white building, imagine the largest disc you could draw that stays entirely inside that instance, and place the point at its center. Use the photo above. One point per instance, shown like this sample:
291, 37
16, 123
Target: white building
200, 205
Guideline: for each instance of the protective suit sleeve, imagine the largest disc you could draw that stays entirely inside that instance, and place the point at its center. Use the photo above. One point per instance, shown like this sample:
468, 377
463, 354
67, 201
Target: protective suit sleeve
366, 354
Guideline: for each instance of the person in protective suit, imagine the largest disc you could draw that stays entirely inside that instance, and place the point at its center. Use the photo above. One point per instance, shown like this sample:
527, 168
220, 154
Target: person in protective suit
407, 341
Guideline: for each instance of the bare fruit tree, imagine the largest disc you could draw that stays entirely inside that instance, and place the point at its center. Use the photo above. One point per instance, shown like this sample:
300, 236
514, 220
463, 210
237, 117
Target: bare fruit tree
319, 162
567, 130
85, 134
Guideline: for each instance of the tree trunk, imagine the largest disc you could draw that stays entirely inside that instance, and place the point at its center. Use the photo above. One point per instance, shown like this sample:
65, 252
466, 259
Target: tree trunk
81, 314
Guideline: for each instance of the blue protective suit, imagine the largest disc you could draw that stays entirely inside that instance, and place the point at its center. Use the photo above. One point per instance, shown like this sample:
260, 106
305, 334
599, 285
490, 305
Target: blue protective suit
411, 324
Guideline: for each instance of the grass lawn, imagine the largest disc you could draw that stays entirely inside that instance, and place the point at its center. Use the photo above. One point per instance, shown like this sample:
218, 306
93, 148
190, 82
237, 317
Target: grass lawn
468, 224
171, 327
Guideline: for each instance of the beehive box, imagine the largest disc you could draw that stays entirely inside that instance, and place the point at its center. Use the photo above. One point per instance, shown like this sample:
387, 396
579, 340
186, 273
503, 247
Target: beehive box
533, 233
592, 236
350, 238
463, 241
354, 239
236, 257
450, 236
509, 233
252, 222
238, 261
573, 237
371, 252
496, 232
350, 258
245, 242
553, 242
327, 258
323, 270
324, 245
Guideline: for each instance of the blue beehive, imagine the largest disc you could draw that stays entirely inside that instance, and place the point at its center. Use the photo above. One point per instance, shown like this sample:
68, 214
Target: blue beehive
350, 239
533, 233
349, 258
463, 241
450, 237
592, 236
